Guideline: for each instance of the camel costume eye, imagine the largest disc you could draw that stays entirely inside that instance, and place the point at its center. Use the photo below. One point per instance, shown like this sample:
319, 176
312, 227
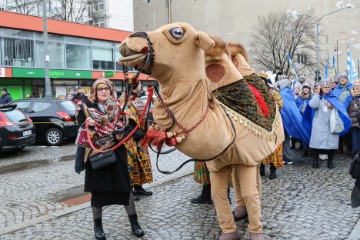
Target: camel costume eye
177, 32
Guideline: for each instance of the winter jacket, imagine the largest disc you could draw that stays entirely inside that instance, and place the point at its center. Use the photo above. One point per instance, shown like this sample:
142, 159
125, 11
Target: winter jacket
6, 98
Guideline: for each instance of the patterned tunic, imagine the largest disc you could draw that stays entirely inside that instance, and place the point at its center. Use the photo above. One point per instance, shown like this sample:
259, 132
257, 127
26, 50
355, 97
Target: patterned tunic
276, 157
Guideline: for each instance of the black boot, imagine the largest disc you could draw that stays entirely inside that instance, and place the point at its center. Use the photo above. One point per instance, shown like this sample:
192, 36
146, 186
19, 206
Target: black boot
135, 227
305, 153
272, 171
205, 197
330, 159
316, 160
140, 191
262, 169
99, 232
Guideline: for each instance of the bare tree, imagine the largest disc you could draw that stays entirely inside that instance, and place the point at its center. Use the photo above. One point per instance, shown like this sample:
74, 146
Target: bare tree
280, 34
69, 10
24, 6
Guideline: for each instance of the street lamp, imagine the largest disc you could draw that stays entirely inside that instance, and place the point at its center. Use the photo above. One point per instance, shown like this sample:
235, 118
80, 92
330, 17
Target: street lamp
46, 50
317, 20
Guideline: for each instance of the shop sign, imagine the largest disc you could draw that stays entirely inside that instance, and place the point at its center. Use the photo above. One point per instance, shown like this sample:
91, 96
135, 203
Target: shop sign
28, 72
54, 74
108, 74
70, 74
2, 72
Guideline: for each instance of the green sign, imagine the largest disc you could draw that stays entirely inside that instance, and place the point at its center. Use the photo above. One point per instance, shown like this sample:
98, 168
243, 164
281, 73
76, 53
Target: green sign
54, 74
109, 74
70, 74
28, 72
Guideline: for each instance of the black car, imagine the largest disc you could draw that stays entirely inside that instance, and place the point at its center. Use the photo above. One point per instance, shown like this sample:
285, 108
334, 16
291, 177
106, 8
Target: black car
16, 129
54, 119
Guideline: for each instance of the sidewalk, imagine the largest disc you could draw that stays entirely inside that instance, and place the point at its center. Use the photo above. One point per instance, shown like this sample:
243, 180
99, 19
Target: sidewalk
301, 204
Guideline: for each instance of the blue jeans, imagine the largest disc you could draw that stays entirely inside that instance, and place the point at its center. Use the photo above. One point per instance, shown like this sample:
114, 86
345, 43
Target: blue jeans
355, 137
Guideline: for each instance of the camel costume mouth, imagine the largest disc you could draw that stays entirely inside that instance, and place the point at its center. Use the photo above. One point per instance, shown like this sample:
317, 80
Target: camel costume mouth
137, 53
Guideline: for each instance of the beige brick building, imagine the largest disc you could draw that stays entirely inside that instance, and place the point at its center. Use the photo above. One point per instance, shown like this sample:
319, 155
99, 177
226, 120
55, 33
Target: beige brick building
235, 20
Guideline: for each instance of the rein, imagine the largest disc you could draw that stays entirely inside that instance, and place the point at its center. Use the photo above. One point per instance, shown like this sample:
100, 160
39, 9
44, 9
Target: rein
201, 160
186, 131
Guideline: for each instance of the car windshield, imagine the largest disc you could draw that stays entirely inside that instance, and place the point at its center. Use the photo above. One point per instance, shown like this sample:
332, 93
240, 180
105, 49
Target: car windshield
15, 115
69, 106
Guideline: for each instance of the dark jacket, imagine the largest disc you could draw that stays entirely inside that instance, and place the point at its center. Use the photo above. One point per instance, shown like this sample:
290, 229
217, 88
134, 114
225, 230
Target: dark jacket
6, 98
114, 178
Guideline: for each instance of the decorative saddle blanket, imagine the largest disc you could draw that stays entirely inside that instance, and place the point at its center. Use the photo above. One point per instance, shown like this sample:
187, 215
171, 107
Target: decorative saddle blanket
250, 98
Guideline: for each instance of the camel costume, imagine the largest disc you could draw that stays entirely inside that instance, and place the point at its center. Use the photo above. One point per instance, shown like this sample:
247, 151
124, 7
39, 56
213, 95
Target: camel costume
249, 96
174, 56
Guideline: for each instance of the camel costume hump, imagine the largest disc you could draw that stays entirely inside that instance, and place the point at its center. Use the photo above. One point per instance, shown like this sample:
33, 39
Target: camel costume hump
177, 62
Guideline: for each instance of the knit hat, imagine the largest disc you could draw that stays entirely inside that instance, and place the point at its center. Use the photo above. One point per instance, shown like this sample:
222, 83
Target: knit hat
324, 84
356, 82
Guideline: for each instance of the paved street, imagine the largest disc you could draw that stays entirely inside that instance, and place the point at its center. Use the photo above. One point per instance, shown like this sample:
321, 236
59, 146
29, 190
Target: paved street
302, 203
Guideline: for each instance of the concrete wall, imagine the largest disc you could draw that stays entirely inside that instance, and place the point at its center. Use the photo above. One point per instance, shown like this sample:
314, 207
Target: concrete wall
120, 14
235, 20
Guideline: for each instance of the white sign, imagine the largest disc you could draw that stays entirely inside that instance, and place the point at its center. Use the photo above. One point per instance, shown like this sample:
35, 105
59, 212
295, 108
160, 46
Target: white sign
2, 72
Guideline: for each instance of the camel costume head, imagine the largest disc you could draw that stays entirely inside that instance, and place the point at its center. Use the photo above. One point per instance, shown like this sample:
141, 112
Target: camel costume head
174, 56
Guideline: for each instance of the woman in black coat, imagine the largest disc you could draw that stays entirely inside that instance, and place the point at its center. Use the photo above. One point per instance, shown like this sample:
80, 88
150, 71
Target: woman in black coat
109, 185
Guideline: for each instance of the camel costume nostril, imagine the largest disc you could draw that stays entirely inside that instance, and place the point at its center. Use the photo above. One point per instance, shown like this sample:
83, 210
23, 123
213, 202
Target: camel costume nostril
179, 67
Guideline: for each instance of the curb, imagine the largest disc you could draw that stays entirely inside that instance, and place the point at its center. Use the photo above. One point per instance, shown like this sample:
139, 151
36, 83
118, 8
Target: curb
69, 210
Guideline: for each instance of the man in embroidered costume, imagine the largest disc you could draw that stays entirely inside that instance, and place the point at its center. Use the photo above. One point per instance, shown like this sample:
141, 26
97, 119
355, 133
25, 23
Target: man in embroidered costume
185, 95
138, 156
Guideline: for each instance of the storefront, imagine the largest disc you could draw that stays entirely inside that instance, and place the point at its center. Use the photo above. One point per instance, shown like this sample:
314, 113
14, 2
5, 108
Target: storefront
78, 54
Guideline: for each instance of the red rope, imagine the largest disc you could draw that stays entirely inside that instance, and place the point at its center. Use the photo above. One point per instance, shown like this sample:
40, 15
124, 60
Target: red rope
151, 91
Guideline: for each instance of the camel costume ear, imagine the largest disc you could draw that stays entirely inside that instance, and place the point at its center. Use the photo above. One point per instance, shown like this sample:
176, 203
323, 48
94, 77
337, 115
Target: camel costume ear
204, 41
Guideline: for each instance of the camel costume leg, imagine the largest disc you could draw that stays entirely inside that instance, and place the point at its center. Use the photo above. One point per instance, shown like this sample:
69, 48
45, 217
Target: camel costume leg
247, 187
220, 181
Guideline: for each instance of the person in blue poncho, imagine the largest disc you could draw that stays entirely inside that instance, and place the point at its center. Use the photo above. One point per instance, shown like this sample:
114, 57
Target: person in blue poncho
316, 118
291, 119
301, 102
342, 91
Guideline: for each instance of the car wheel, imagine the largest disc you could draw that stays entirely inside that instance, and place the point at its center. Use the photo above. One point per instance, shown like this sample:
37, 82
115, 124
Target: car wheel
53, 137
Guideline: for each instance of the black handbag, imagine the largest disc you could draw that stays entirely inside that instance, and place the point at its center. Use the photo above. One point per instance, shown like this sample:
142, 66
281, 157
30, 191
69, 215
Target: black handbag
355, 167
102, 159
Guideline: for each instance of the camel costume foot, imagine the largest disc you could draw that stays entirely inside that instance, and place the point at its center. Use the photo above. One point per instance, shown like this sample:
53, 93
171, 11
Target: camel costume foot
230, 236
256, 236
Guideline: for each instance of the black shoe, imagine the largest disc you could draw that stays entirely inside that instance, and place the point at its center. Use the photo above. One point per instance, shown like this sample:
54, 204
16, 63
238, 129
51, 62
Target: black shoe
330, 164
262, 169
139, 191
201, 200
272, 172
135, 227
98, 228
305, 153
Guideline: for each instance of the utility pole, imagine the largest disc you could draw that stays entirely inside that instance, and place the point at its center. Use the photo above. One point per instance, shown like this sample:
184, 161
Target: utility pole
46, 50
317, 21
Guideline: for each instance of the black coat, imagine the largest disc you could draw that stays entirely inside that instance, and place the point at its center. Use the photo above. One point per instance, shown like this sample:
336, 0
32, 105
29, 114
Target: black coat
113, 180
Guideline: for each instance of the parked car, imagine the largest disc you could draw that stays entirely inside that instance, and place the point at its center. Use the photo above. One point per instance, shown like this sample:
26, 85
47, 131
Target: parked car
16, 129
54, 119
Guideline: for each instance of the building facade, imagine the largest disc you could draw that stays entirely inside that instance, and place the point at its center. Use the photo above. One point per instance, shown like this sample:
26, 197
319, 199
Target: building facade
116, 14
235, 20
78, 55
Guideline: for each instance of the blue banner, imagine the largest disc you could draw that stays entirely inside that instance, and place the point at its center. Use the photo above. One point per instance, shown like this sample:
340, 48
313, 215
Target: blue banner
353, 74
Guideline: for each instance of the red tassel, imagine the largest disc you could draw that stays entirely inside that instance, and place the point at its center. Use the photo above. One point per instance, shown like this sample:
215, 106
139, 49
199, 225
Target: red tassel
154, 137
260, 100
171, 141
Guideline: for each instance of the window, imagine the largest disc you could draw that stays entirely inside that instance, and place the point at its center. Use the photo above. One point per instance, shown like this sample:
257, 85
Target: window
301, 58
77, 56
18, 52
55, 51
40, 106
102, 58
23, 106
